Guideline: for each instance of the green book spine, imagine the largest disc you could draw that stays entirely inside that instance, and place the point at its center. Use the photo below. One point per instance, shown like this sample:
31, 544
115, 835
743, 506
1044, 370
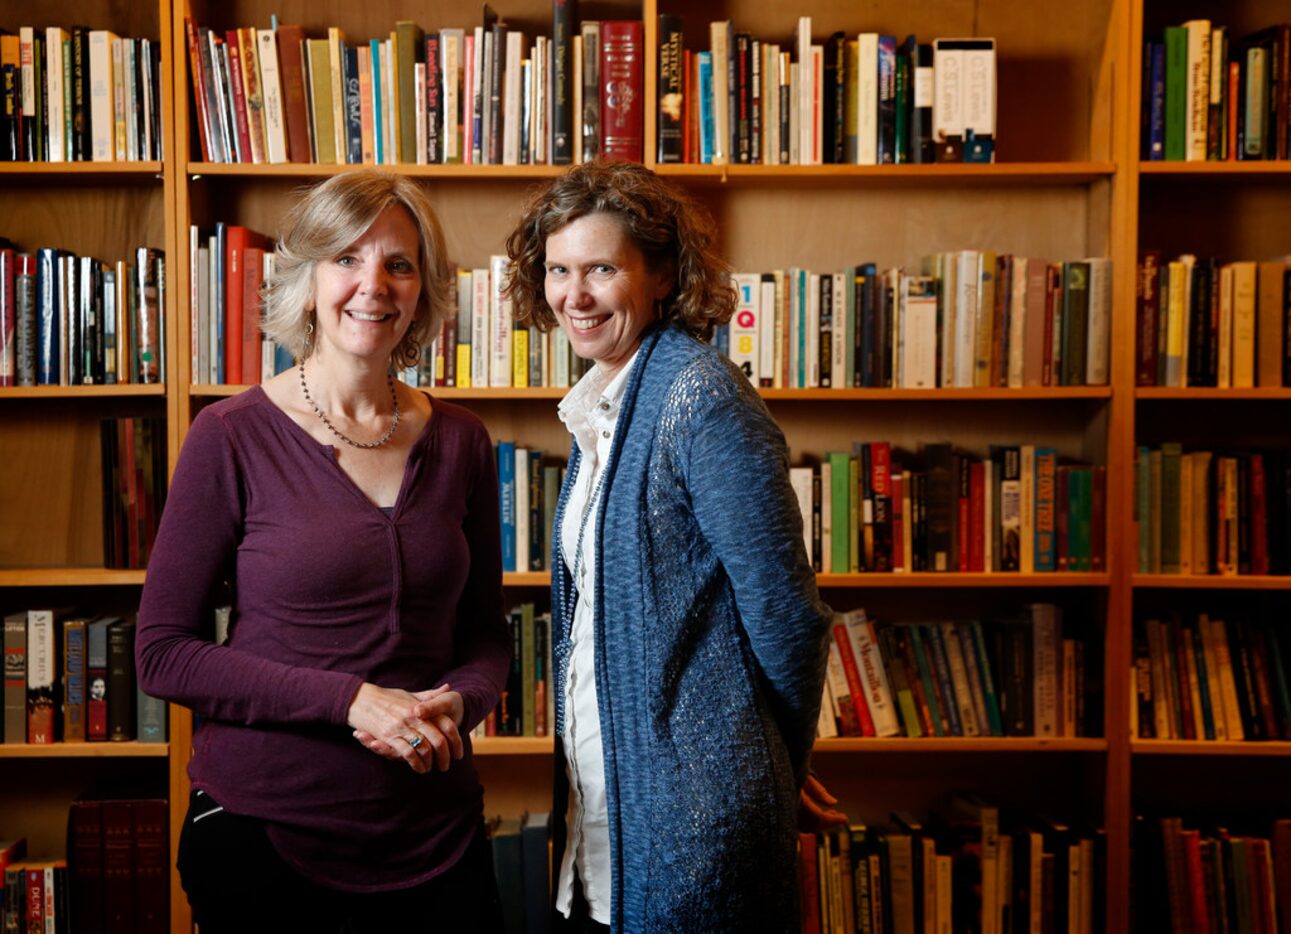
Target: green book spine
840, 509
1176, 111
1143, 507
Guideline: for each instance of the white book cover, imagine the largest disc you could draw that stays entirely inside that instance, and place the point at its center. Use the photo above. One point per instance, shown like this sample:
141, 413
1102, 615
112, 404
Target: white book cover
806, 125
27, 70
214, 333
827, 722
947, 102
744, 325
816, 92
796, 326
766, 329
1244, 282
54, 38
389, 104
795, 112
512, 100
1017, 322
1098, 334
560, 354
152, 144
1197, 89
194, 299
869, 663
867, 99
450, 51
771, 103
800, 481
978, 89
522, 508
129, 62
275, 122
918, 315
500, 362
718, 34
481, 42
838, 335
480, 335
965, 300
102, 108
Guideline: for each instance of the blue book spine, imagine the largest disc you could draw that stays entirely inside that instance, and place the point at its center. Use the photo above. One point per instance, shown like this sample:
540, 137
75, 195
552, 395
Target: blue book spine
282, 359
941, 665
705, 107
1046, 504
48, 268
507, 502
353, 118
887, 139
722, 338
1156, 102
804, 278
1203, 680
377, 122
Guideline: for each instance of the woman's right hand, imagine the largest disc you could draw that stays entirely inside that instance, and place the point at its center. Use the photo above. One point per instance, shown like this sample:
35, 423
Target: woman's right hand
387, 721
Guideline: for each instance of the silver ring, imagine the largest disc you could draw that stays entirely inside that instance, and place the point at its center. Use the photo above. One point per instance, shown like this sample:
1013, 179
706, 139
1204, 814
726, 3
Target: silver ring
416, 741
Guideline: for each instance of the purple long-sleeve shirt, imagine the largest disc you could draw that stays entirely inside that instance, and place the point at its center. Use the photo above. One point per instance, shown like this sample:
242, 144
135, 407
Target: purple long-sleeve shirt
328, 592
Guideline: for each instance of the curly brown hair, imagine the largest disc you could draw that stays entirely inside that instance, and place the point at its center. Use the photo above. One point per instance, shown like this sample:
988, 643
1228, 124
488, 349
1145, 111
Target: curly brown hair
670, 230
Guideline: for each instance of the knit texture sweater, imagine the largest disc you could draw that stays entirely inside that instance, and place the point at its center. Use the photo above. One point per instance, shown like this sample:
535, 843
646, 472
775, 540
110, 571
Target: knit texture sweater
710, 650
328, 592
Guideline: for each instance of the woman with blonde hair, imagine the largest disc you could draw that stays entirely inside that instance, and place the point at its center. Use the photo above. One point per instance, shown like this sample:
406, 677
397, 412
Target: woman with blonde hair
356, 521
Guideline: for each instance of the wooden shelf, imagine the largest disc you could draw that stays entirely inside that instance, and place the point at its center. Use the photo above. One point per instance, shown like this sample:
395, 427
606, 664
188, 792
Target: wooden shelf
1211, 582
1208, 393
512, 746
79, 392
490, 173
1218, 169
899, 580
1193, 747
958, 175
1037, 393
81, 169
131, 750
942, 744
69, 577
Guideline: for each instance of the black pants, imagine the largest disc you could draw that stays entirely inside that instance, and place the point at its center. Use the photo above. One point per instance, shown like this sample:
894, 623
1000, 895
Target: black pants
238, 884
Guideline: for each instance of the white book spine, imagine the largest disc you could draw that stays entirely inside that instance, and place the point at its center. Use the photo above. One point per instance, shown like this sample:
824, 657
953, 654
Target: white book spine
512, 101
867, 99
1099, 323
837, 346
919, 330
1017, 322
813, 331
804, 91
450, 43
275, 123
766, 330
102, 117
499, 324
878, 694
1197, 89
194, 298
947, 80
480, 298
1244, 288
27, 69
129, 62
721, 111
1027, 510
800, 482
54, 83
522, 508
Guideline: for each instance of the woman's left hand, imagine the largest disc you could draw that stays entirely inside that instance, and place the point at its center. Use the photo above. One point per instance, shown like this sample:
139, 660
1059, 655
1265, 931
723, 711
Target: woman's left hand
816, 811
437, 740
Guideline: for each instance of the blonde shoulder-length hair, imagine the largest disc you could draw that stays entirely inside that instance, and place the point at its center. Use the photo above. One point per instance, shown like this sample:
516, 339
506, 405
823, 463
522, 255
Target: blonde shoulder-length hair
326, 220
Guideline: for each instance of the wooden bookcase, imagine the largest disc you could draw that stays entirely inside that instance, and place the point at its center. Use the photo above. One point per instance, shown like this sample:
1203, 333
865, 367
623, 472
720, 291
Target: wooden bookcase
1068, 184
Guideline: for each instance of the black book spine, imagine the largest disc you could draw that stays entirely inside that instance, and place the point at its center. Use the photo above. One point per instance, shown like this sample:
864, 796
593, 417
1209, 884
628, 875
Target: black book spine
121, 681
756, 96
353, 114
921, 143
670, 88
562, 105
826, 343
498, 66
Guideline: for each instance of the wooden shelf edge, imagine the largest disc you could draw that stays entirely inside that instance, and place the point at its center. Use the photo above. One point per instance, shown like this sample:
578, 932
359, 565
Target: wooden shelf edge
898, 579
1211, 582
1193, 747
1256, 167
1208, 392
80, 169
935, 744
69, 577
512, 746
1002, 173
81, 392
319, 170
131, 750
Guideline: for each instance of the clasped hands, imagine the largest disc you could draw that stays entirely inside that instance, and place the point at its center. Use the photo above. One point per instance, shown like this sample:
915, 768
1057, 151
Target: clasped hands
419, 727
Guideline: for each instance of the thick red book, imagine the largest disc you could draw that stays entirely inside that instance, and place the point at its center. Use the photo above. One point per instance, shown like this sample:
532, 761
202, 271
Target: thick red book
1259, 517
622, 90
291, 69
963, 514
252, 279
977, 516
118, 867
199, 87
239, 240
151, 866
809, 883
855, 687
85, 861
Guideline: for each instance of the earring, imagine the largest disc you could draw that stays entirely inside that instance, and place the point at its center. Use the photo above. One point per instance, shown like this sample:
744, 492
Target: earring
309, 336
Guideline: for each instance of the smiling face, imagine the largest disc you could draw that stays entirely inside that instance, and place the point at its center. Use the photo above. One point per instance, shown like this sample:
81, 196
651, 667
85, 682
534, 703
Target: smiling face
600, 288
366, 296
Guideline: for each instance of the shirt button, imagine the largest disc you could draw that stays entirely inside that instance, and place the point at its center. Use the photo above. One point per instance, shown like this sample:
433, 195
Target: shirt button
605, 435
604, 406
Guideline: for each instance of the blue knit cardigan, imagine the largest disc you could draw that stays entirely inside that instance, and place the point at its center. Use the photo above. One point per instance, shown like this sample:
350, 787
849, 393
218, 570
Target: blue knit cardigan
710, 649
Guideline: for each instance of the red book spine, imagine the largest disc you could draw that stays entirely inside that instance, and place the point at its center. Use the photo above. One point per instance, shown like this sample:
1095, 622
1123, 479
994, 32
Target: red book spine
963, 515
1179, 643
35, 900
1200, 917
238, 241
687, 106
151, 866
1259, 518
252, 279
1234, 94
1148, 295
622, 90
898, 524
977, 509
199, 86
1062, 515
118, 867
292, 70
808, 883
233, 45
8, 319
855, 687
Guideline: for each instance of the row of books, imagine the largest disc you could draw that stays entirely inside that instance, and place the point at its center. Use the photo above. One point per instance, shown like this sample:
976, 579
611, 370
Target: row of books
527, 492
1015, 676
485, 95
1211, 878
971, 318
1016, 510
527, 706
1209, 512
857, 100
71, 678
1208, 96
87, 95
967, 867
1207, 679
228, 267
134, 475
71, 320
522, 865
1205, 324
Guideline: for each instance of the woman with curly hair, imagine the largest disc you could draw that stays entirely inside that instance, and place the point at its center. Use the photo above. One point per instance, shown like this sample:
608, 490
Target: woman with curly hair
688, 636
357, 521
